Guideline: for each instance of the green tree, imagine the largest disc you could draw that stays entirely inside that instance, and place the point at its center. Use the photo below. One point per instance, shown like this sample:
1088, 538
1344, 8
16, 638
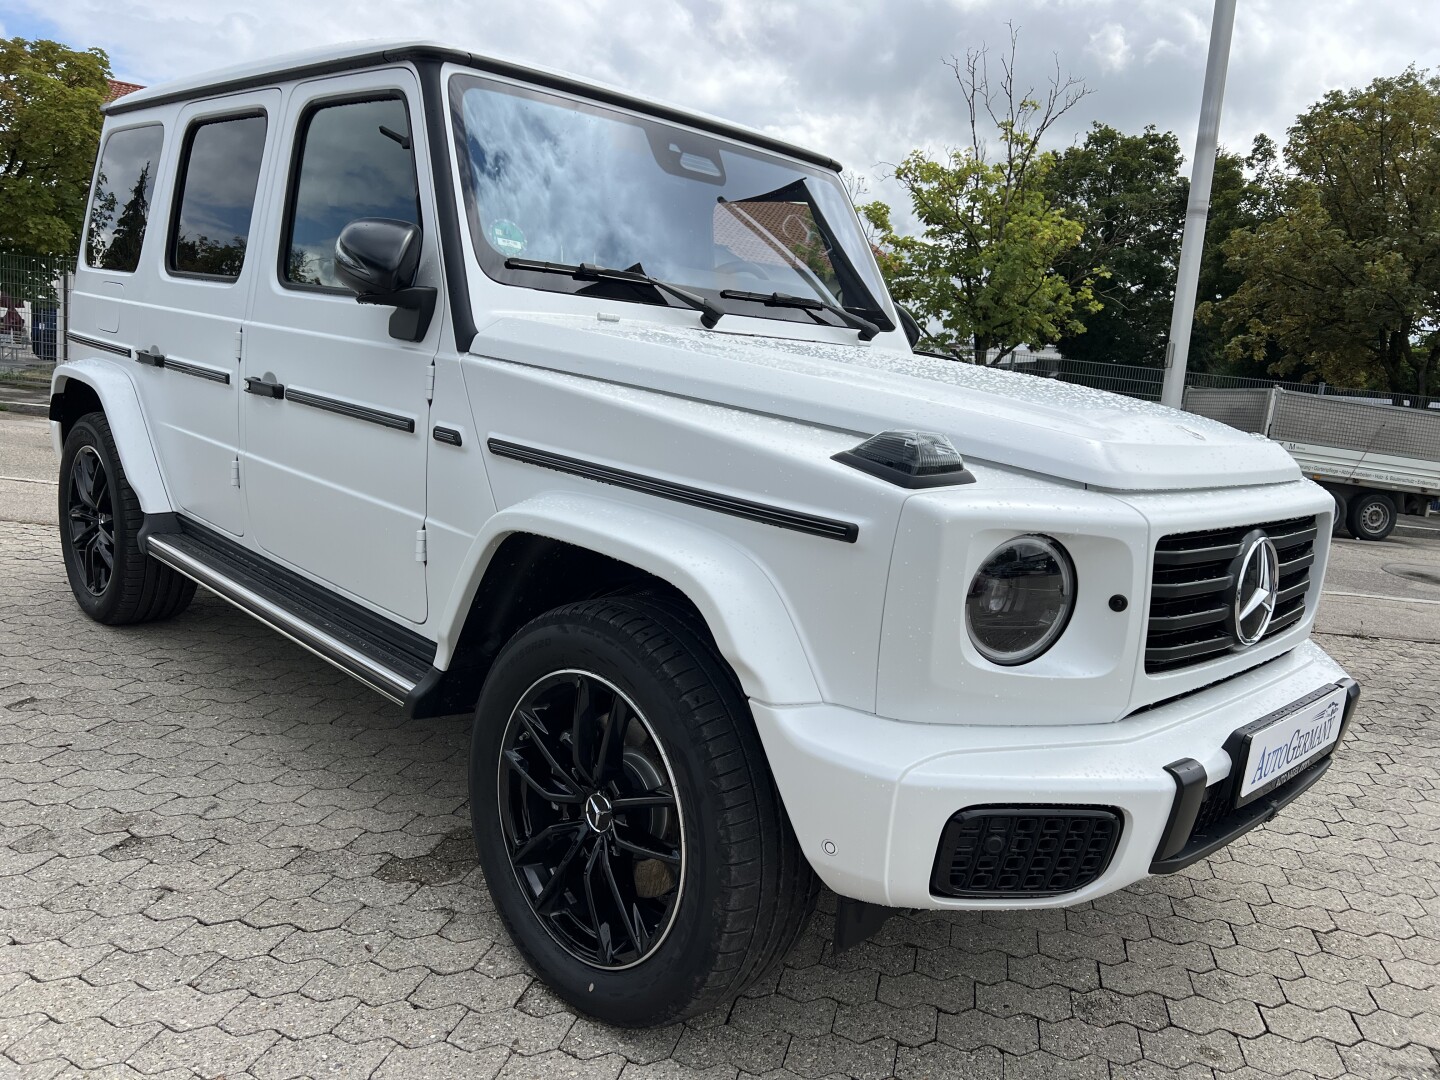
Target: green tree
1344, 284
123, 251
50, 121
981, 275
1128, 193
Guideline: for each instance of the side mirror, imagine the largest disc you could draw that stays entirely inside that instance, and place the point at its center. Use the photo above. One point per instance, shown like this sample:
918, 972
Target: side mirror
377, 259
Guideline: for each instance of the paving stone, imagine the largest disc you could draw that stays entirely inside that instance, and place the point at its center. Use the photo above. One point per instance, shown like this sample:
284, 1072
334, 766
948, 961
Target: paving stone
209, 870
441, 1061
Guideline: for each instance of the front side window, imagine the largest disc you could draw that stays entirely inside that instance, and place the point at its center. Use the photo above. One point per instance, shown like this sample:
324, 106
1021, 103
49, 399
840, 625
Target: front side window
355, 162
218, 178
120, 201
550, 179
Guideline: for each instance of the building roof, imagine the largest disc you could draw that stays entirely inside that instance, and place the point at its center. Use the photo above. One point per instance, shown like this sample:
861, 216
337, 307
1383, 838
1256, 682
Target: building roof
313, 63
119, 89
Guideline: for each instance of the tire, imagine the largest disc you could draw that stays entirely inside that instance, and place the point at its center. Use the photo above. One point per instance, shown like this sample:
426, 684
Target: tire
1340, 526
100, 517
730, 891
1371, 517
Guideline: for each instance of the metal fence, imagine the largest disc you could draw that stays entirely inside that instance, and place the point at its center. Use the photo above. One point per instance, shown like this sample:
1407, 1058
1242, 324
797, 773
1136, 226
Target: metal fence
34, 312
1145, 382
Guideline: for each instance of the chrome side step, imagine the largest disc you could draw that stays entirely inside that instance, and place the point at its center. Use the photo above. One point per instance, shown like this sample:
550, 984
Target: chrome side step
167, 548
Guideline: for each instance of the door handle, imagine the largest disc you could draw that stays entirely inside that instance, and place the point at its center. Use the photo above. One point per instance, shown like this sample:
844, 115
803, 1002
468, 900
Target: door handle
152, 357
264, 388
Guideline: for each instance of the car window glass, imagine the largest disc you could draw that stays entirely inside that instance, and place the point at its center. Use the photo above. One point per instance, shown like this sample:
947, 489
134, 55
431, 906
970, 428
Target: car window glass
217, 197
120, 202
355, 162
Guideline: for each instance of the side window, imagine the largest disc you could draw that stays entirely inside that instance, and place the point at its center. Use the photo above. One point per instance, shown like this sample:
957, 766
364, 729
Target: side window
354, 161
120, 202
219, 170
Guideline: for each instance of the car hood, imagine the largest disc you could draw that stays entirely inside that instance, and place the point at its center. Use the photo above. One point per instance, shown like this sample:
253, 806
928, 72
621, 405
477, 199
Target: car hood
1040, 425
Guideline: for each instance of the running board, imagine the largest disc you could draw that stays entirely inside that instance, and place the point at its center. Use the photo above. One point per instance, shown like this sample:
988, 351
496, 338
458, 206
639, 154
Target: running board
385, 656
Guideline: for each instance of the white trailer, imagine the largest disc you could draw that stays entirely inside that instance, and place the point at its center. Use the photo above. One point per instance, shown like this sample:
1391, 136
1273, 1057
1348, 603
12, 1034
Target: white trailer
1377, 459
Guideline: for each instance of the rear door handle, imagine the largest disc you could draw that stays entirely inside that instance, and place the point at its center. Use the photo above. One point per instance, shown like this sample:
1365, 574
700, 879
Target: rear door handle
264, 388
152, 357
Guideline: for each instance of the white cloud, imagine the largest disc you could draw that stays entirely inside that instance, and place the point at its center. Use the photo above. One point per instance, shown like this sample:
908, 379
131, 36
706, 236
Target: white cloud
861, 81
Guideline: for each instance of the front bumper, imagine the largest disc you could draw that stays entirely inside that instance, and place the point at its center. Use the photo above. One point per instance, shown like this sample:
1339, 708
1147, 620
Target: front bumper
869, 797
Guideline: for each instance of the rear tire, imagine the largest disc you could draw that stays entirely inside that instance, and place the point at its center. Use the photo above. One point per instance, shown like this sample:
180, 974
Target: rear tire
113, 580
1372, 516
730, 891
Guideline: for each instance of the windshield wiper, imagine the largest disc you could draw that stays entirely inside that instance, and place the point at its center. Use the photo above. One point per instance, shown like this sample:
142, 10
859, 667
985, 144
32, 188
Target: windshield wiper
710, 314
867, 328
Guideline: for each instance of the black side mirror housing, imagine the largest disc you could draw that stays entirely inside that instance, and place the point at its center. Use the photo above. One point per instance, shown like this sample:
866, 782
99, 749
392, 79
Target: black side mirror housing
377, 259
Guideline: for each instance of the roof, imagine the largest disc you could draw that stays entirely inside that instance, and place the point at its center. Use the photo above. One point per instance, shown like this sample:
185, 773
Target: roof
119, 89
312, 63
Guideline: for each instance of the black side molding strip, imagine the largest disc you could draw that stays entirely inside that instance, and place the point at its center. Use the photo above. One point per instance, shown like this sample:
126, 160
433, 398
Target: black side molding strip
778, 516
345, 408
214, 375
447, 435
94, 343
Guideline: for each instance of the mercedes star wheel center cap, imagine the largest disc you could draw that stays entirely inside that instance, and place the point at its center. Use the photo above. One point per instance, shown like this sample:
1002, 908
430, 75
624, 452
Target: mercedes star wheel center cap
1256, 588
599, 815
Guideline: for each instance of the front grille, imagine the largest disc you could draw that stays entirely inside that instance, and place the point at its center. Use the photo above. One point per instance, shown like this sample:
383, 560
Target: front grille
1190, 583
998, 851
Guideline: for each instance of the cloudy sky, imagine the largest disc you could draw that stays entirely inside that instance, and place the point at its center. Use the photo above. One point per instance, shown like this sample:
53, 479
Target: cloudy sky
862, 80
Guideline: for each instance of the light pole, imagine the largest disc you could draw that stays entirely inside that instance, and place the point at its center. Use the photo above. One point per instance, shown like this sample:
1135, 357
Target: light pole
1202, 172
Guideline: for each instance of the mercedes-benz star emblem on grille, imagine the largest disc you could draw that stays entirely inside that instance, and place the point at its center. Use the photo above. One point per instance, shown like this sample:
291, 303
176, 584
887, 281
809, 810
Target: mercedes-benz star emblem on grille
1257, 585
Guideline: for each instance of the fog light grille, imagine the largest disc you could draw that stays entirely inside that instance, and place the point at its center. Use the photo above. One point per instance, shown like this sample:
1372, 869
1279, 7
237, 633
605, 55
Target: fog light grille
1006, 851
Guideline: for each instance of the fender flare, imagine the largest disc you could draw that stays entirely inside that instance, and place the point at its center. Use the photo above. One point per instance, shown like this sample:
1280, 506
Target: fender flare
745, 612
116, 391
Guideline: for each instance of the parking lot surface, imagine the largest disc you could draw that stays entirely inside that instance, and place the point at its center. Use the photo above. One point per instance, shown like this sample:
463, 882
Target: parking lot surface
220, 857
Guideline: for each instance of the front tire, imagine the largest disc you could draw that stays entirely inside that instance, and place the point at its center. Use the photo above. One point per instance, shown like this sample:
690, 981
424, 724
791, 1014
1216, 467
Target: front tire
625, 818
113, 580
1372, 516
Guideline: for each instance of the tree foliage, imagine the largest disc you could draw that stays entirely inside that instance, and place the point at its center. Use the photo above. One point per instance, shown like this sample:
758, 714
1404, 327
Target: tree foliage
982, 274
50, 119
1128, 194
1344, 282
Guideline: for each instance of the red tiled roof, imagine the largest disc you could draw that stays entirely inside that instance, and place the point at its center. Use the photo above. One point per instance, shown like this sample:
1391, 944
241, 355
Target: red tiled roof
119, 89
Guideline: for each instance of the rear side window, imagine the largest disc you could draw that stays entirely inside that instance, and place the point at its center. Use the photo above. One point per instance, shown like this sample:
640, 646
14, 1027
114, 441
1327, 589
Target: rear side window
120, 202
219, 171
354, 162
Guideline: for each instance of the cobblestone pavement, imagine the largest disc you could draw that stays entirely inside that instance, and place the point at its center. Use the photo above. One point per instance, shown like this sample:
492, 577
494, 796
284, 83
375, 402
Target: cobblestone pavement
218, 857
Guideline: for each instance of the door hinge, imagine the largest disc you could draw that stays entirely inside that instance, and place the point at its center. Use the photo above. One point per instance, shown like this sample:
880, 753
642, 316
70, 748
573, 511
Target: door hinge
421, 553
235, 472
430, 382
239, 344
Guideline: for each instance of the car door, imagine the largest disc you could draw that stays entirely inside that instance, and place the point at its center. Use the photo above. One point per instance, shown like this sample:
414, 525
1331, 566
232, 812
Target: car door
188, 338
334, 463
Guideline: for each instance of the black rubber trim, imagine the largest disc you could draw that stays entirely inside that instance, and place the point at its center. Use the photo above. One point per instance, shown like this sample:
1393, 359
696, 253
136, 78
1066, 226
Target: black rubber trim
398, 647
434, 54
345, 408
171, 364
856, 921
1190, 782
1257, 813
103, 346
903, 479
778, 516
448, 436
447, 206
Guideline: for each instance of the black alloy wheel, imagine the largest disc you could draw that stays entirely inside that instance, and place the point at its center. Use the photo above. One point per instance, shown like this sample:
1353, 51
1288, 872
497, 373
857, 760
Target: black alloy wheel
90, 519
587, 802
113, 579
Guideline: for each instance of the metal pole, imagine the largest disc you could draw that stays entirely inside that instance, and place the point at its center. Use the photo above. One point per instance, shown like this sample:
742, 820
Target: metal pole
1202, 172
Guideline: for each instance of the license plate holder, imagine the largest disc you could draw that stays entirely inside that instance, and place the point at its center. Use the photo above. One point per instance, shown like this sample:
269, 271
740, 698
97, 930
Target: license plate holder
1274, 749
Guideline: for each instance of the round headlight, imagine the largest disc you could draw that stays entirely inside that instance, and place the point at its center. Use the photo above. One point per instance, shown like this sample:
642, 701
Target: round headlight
1020, 600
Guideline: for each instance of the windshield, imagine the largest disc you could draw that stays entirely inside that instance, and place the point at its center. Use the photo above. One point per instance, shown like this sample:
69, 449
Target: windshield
548, 179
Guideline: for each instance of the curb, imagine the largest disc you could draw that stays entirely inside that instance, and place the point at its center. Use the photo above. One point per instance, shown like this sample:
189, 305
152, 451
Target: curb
29, 408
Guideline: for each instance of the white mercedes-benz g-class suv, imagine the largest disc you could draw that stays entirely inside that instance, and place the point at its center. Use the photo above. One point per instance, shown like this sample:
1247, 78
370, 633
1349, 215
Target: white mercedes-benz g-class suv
624, 449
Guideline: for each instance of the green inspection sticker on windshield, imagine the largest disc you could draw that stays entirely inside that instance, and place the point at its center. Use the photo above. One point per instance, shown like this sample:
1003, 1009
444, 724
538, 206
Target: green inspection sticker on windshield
507, 237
